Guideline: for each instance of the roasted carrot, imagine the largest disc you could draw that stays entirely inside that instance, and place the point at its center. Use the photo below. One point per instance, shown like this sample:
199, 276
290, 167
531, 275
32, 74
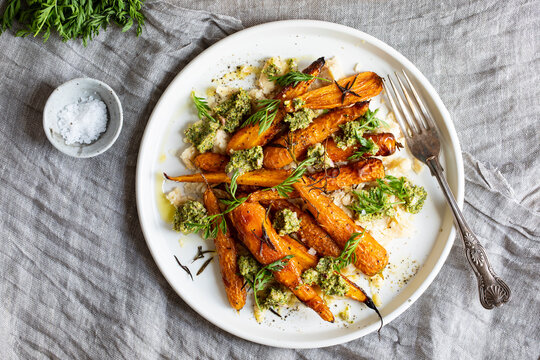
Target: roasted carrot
248, 137
304, 258
308, 261
360, 87
269, 194
290, 91
371, 257
211, 162
359, 172
226, 251
310, 233
385, 141
278, 154
331, 179
258, 178
253, 226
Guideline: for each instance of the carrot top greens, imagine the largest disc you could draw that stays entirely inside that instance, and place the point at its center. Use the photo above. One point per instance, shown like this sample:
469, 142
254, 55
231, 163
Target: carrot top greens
294, 78
285, 188
71, 19
265, 116
203, 110
376, 202
264, 276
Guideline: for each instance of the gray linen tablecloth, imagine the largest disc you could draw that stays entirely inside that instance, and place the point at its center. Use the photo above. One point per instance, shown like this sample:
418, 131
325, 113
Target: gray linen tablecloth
77, 280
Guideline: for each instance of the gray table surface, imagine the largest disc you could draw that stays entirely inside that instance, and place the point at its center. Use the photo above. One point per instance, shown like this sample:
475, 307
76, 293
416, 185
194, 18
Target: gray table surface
77, 280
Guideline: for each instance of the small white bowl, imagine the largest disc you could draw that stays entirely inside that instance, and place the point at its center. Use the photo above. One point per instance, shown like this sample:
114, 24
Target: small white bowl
69, 93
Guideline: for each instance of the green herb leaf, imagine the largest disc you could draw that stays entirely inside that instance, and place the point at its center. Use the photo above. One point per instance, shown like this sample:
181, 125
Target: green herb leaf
12, 8
206, 227
411, 196
294, 78
367, 146
71, 19
370, 122
348, 254
285, 188
266, 114
203, 110
375, 202
264, 276
231, 189
372, 204
234, 186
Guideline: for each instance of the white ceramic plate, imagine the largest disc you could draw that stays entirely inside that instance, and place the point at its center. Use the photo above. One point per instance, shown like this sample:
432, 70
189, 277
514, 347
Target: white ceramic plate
306, 40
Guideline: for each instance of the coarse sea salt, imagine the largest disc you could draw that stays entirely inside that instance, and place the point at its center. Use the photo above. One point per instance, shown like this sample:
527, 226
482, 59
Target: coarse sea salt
82, 122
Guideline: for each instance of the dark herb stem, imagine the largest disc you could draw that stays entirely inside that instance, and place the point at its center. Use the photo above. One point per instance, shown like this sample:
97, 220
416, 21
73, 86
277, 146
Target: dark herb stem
185, 268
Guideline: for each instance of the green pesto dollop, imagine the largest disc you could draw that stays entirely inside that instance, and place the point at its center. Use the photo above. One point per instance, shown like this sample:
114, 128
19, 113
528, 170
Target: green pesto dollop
286, 221
271, 68
318, 152
296, 104
352, 131
233, 110
325, 275
384, 198
276, 297
248, 267
372, 204
299, 119
245, 160
202, 134
190, 212
414, 197
368, 146
349, 134
310, 277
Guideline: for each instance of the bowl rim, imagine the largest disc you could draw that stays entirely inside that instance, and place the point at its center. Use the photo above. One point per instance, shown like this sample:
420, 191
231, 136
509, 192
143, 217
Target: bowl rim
117, 131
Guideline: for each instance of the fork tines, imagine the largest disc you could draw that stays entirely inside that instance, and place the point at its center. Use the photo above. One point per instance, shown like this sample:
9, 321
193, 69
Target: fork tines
413, 118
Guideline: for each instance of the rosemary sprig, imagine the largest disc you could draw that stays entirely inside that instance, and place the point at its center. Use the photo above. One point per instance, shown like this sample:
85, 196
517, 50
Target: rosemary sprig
201, 269
203, 110
346, 90
285, 188
348, 254
200, 253
264, 238
264, 276
294, 77
275, 312
266, 114
185, 268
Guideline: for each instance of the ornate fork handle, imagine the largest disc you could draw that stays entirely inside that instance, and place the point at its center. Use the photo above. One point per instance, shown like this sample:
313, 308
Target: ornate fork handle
493, 291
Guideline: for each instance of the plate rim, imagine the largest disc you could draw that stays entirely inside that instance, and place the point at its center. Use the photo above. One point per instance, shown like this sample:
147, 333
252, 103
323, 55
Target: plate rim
455, 146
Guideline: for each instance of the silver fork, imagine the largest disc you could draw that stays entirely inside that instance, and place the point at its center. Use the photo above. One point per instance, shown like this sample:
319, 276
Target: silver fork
420, 132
